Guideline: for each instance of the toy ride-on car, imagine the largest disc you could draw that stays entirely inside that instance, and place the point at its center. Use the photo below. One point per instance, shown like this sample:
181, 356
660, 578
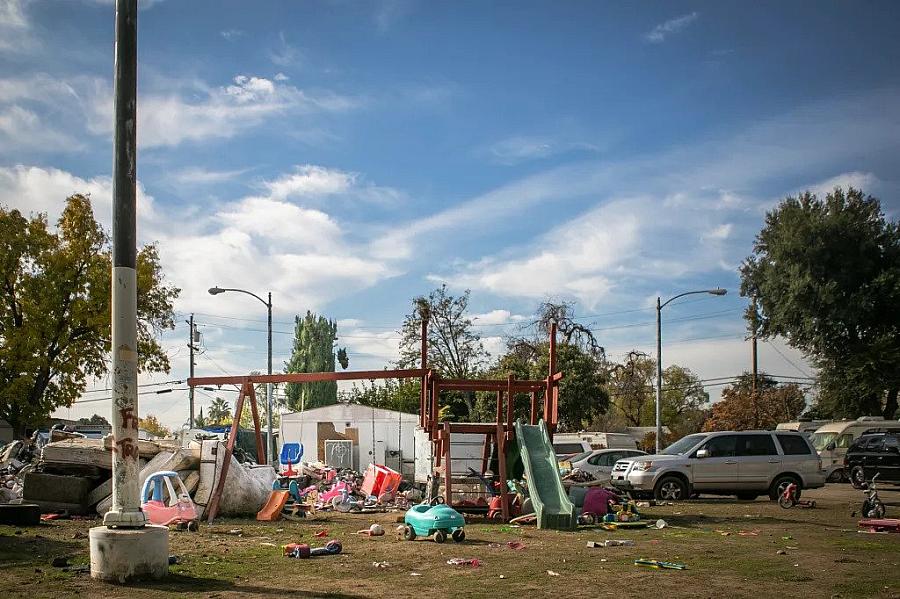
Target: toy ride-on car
435, 521
180, 509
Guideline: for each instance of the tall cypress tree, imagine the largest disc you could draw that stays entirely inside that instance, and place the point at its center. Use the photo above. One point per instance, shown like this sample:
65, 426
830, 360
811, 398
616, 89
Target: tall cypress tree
313, 351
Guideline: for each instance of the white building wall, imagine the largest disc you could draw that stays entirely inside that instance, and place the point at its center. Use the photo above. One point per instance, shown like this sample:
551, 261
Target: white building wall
384, 436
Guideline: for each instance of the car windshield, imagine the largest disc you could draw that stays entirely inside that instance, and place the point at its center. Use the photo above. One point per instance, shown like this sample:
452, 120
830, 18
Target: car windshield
579, 456
682, 445
821, 440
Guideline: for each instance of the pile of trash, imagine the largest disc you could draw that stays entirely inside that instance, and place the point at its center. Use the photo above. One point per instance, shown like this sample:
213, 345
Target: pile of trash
15, 461
72, 474
317, 487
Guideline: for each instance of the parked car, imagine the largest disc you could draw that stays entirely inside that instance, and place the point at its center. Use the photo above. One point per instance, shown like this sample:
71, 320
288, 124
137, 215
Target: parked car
747, 464
832, 441
871, 454
600, 462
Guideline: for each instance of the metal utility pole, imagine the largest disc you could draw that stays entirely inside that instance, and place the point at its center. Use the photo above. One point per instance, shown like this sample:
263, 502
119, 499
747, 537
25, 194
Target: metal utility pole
126, 506
192, 338
659, 307
126, 547
273, 459
755, 366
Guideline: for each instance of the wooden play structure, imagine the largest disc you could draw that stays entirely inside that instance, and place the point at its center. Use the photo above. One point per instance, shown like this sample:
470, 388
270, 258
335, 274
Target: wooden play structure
498, 435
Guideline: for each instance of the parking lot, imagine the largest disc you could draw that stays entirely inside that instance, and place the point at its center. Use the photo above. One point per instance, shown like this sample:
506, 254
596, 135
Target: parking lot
731, 548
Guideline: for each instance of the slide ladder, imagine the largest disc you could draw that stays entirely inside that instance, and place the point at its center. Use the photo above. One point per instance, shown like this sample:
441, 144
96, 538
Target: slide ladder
548, 497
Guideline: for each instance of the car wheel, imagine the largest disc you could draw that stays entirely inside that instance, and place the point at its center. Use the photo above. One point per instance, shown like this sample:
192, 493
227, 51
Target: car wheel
409, 534
858, 477
440, 536
459, 535
838, 476
193, 526
670, 488
781, 484
747, 496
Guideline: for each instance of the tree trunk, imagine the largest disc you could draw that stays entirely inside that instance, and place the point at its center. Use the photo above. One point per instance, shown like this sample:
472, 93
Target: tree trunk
890, 406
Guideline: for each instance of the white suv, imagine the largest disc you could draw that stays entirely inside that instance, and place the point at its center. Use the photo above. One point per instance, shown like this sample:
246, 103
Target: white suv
747, 464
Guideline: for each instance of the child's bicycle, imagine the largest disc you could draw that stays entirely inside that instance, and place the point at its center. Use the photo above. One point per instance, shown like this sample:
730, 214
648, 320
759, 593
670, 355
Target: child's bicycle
789, 498
872, 506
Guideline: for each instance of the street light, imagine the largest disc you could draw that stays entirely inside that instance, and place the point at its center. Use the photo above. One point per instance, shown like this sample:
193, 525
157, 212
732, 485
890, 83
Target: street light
659, 307
270, 445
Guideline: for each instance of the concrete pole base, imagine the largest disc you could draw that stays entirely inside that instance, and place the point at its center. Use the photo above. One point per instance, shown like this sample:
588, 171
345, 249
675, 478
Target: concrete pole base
122, 554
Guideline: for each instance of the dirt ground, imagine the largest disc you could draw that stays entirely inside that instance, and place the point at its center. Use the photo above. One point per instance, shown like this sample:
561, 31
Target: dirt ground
731, 549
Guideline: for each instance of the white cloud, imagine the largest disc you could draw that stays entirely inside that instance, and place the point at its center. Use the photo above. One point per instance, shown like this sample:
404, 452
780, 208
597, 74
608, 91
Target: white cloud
22, 129
169, 119
311, 180
16, 35
313, 183
495, 317
201, 176
232, 34
867, 182
33, 189
284, 54
659, 33
718, 233
522, 148
284, 223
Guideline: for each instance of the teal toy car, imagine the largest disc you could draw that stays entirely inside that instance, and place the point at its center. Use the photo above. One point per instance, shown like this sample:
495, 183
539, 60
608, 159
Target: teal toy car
435, 521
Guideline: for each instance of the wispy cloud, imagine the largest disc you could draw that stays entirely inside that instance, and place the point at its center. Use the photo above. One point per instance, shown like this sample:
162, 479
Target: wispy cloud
16, 35
314, 183
284, 54
389, 12
521, 148
232, 34
202, 176
659, 33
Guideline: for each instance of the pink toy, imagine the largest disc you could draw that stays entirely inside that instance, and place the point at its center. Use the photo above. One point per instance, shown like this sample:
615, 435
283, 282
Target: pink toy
340, 489
180, 509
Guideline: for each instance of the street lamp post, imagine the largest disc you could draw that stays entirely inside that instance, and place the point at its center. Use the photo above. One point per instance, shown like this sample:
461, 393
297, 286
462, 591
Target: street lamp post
659, 307
270, 443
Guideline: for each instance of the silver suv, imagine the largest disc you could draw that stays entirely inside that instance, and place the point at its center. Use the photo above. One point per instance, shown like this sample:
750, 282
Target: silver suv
747, 464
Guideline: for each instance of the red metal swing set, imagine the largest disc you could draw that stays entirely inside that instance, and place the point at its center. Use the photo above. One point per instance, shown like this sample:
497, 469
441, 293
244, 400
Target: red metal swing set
498, 434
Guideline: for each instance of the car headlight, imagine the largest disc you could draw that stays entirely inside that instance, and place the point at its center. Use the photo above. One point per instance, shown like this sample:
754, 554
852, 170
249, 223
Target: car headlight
643, 466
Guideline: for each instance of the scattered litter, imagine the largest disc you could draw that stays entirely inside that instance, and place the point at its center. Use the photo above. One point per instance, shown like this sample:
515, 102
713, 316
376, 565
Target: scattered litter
376, 530
415, 573
612, 543
268, 544
781, 552
787, 538
173, 559
603, 559
502, 577
724, 533
322, 533
660, 565
381, 565
792, 548
515, 545
236, 531
303, 551
643, 504
749, 533
459, 561
661, 523
552, 573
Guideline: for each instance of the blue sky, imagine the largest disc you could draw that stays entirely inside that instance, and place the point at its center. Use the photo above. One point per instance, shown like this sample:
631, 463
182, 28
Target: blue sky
348, 156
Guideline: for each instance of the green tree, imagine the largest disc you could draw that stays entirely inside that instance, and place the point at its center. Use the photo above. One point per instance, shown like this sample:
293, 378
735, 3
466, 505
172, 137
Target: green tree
55, 310
741, 409
684, 402
313, 351
401, 395
152, 425
200, 421
631, 388
219, 412
826, 277
96, 419
454, 348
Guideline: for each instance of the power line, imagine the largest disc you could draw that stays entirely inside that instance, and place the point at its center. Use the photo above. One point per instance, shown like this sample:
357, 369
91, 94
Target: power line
788, 360
139, 386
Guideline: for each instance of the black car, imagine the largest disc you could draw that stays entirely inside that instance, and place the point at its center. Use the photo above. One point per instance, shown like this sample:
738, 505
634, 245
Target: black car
871, 454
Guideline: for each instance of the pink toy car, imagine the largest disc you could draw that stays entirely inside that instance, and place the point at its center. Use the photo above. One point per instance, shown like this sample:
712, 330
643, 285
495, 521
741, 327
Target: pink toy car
180, 509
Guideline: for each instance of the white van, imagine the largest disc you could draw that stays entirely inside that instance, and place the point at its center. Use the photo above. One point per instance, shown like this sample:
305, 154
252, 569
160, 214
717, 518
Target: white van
569, 443
832, 440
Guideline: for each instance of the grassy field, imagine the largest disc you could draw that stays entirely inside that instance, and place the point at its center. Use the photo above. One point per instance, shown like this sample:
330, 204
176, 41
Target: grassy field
823, 556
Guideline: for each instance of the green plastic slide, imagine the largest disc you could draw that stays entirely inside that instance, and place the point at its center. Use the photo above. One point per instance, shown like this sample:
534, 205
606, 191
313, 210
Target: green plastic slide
549, 498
